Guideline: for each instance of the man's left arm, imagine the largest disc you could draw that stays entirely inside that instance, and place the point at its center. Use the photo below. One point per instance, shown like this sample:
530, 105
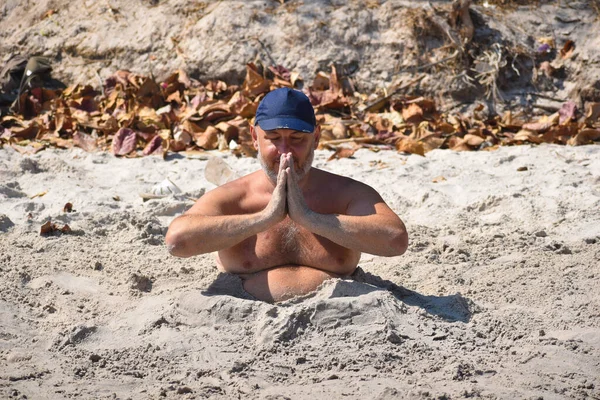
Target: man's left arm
369, 225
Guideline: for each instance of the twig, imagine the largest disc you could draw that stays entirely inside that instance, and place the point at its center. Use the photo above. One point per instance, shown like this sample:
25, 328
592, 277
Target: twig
543, 96
101, 83
422, 67
546, 108
273, 63
371, 106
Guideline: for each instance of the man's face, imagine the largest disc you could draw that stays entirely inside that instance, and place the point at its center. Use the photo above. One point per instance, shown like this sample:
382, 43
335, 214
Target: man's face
272, 144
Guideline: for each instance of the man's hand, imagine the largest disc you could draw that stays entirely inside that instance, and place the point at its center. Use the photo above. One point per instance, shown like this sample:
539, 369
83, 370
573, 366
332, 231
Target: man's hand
276, 209
297, 207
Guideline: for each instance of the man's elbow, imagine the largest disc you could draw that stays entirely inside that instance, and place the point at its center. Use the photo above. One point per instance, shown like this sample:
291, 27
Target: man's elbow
399, 243
176, 243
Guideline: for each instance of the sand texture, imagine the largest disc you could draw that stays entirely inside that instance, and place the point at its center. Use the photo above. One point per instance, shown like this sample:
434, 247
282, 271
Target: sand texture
497, 296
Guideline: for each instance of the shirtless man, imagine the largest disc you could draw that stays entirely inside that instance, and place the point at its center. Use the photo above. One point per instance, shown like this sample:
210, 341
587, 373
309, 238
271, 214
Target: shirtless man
286, 228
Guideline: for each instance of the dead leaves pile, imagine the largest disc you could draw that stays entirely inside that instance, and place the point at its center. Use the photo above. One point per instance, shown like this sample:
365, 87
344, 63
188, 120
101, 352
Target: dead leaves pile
133, 115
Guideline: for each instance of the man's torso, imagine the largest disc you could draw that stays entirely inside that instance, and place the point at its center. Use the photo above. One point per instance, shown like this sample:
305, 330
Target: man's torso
288, 243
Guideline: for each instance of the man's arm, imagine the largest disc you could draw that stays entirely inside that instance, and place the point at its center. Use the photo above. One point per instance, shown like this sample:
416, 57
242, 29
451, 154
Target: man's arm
380, 232
206, 227
369, 225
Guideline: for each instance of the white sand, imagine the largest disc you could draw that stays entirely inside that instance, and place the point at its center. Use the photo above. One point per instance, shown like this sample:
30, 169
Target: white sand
496, 297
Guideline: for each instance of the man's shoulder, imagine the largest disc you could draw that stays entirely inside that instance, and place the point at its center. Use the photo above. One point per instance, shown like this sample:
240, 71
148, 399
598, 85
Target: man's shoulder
339, 181
241, 187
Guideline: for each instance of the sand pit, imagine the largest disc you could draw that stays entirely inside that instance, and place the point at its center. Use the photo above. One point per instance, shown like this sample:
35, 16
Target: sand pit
497, 296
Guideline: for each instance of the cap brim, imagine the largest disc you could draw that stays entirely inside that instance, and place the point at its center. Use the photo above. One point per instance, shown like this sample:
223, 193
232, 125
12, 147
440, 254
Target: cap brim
286, 123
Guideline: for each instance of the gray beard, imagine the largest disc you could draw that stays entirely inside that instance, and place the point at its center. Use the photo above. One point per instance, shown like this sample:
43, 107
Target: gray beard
272, 175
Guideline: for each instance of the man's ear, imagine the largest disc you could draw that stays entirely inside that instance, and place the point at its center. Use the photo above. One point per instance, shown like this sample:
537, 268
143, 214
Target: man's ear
254, 136
317, 135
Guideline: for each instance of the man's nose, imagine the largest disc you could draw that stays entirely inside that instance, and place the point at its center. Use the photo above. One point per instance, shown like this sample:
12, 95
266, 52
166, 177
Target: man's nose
283, 147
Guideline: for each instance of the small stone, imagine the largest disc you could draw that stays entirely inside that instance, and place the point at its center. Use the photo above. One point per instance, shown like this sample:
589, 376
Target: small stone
184, 390
141, 283
5, 223
541, 234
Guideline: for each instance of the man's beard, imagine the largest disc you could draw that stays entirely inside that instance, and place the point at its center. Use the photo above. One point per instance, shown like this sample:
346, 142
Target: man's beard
301, 171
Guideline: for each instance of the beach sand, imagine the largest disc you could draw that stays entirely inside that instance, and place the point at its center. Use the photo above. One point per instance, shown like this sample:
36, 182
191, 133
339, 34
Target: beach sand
496, 297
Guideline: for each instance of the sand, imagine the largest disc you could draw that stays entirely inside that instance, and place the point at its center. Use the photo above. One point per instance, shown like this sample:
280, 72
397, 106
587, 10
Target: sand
497, 296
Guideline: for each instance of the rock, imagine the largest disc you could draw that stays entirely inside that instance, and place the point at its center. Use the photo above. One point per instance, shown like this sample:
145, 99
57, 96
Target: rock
5, 223
140, 282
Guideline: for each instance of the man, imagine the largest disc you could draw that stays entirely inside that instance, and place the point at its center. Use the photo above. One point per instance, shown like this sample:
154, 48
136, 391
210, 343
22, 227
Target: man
288, 227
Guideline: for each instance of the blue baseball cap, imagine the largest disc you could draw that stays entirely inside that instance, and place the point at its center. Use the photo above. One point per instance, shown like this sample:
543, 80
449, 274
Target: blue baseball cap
286, 108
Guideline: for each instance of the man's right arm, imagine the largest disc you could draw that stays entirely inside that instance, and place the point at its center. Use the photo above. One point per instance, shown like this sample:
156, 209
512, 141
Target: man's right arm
192, 234
208, 226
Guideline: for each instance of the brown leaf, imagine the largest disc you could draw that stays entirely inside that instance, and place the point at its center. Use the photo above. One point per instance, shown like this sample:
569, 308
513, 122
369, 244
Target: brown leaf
412, 114
585, 136
525, 135
124, 142
592, 112
66, 229
432, 142
48, 14
540, 126
321, 82
473, 140
339, 130
568, 49
567, 112
241, 105
25, 132
458, 144
85, 141
411, 146
154, 146
47, 228
208, 140
68, 207
342, 152
255, 84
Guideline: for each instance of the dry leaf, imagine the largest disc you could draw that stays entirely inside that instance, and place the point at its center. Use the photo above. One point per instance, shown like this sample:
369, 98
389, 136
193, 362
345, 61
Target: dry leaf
40, 194
68, 207
527, 136
473, 140
85, 141
321, 82
154, 146
47, 228
412, 114
543, 123
567, 112
208, 139
458, 144
124, 142
339, 130
568, 49
342, 152
411, 146
439, 179
592, 112
48, 14
585, 136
